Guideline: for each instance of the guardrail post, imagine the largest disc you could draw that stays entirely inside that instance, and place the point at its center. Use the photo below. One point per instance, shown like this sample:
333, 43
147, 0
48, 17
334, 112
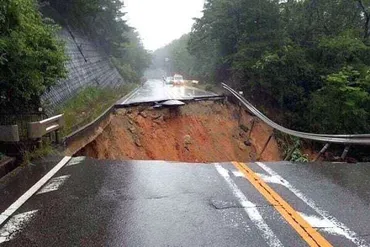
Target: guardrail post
57, 140
265, 146
240, 109
345, 152
322, 151
240, 114
251, 129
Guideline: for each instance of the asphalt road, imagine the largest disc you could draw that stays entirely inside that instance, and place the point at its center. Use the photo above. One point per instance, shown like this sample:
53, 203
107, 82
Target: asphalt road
156, 90
156, 203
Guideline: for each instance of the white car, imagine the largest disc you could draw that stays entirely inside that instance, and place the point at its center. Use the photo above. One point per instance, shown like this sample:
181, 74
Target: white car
178, 79
194, 82
169, 80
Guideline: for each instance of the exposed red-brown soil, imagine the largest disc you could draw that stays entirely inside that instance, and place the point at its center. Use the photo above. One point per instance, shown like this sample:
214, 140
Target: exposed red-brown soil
197, 132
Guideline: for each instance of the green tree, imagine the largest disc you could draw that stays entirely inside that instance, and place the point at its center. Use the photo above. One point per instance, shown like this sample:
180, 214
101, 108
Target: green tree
133, 59
293, 56
342, 105
31, 58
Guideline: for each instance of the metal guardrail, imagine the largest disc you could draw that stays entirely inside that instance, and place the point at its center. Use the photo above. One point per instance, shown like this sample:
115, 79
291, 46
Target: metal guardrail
37, 130
348, 140
361, 139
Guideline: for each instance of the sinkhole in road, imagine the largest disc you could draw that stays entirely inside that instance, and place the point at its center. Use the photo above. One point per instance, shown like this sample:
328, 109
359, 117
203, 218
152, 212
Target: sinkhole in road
203, 131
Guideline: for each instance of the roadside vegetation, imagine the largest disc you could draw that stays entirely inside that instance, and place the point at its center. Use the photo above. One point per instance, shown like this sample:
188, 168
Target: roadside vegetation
39, 152
89, 104
32, 57
307, 61
103, 22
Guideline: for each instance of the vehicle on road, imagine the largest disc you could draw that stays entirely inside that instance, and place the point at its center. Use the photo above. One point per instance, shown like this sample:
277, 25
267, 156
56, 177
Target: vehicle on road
178, 80
195, 82
169, 80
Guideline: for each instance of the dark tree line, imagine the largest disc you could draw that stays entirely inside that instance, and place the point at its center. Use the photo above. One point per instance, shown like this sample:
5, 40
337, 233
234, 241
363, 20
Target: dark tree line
306, 61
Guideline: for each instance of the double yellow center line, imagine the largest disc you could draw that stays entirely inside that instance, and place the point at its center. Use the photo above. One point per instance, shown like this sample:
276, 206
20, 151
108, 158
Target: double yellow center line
300, 225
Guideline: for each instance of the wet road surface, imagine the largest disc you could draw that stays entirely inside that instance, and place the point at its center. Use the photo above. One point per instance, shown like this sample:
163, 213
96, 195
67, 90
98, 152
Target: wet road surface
156, 203
156, 90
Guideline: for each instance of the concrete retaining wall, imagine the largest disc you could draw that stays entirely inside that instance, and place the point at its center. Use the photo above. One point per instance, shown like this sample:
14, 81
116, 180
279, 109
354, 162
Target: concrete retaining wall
88, 66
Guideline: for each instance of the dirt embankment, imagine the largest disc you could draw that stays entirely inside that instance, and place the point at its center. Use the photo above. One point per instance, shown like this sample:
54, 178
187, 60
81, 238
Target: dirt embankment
195, 132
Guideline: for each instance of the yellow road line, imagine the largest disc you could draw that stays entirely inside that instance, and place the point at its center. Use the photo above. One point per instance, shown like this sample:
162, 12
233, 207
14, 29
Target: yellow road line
300, 225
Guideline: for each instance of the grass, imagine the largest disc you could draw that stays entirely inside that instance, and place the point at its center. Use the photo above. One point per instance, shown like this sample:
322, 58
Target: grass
44, 150
90, 103
290, 145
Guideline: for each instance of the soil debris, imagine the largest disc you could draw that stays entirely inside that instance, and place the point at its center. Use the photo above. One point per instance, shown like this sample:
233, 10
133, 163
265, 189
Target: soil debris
198, 132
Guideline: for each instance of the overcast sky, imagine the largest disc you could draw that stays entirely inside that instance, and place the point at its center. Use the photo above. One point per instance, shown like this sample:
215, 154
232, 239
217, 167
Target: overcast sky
161, 21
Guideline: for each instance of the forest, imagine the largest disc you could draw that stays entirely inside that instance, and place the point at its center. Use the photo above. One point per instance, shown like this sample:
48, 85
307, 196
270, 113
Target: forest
306, 63
32, 57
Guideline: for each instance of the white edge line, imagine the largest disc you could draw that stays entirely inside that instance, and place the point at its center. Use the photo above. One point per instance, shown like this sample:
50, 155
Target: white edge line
130, 96
21, 200
349, 234
251, 209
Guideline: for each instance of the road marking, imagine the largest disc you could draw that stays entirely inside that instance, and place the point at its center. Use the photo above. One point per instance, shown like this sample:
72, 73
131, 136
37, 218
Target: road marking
267, 179
237, 173
251, 209
76, 161
347, 233
21, 200
130, 96
14, 225
53, 184
324, 224
301, 226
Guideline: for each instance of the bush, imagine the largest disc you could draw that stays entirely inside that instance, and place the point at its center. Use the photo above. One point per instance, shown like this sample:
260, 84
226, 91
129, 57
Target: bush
343, 104
125, 70
31, 58
298, 156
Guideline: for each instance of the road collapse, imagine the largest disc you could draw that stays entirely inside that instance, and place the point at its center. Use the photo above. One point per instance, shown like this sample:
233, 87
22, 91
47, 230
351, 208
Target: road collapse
203, 131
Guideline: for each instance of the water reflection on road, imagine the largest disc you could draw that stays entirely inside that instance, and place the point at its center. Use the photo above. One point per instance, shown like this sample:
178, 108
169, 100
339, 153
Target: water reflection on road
156, 90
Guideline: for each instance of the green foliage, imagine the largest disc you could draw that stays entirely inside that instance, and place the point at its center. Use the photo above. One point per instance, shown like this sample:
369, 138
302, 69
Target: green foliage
308, 59
89, 104
291, 147
44, 150
346, 94
175, 58
134, 58
125, 70
31, 58
298, 156
103, 21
